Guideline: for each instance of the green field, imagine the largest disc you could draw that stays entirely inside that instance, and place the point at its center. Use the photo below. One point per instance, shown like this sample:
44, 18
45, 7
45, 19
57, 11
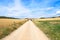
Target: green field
9, 25
50, 27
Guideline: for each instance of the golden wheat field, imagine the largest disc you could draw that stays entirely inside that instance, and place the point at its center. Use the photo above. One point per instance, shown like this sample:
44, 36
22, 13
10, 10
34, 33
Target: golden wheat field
7, 22
9, 25
47, 19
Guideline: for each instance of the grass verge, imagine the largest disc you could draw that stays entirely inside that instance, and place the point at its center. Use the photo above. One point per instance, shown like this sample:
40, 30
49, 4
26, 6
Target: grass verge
50, 27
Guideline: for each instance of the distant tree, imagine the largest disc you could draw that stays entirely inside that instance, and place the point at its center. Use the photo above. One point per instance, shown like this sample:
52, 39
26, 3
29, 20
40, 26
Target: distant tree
58, 16
8, 17
53, 17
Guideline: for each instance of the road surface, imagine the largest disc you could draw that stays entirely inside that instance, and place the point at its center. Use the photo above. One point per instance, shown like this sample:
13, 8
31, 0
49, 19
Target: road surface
27, 31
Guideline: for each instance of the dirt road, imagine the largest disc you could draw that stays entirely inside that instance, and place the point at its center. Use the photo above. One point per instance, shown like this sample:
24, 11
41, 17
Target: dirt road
27, 31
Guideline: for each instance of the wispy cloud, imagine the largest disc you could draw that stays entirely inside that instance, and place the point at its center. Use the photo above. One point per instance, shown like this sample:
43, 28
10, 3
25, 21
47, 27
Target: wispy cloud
58, 12
29, 8
16, 10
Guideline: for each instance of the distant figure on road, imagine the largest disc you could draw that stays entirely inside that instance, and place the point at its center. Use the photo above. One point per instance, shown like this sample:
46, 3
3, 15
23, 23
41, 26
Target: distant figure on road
30, 19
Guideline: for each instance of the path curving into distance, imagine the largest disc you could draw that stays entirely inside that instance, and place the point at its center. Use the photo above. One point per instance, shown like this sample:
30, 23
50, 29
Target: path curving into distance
27, 31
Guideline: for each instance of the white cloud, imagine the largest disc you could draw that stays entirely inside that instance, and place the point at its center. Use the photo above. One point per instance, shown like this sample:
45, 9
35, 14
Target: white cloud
58, 12
17, 9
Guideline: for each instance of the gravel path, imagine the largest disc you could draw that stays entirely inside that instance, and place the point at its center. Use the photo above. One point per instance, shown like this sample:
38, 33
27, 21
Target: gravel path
27, 31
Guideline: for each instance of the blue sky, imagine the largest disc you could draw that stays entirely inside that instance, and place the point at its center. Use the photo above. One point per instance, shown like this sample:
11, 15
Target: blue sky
29, 8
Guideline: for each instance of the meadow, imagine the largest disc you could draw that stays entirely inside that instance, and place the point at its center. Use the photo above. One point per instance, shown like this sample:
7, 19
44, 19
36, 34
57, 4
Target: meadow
9, 25
50, 26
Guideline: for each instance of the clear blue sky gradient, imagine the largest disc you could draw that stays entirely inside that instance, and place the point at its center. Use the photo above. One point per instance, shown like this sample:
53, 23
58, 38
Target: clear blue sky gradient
29, 8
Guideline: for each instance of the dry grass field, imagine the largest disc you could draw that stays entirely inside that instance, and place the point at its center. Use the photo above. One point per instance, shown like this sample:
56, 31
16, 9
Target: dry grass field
9, 25
47, 19
50, 26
